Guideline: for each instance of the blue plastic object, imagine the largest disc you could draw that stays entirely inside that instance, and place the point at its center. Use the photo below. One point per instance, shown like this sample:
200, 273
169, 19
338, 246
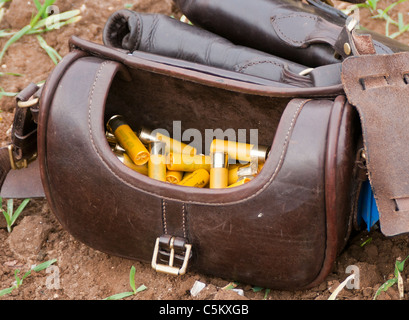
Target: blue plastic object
367, 208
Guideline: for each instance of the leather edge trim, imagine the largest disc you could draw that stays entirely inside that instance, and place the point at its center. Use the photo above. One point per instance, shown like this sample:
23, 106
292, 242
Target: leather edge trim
331, 235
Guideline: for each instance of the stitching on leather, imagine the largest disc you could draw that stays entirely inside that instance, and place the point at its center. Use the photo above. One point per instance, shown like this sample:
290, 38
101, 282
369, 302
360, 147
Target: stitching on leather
184, 220
152, 32
277, 27
286, 140
165, 224
138, 40
254, 63
382, 48
128, 183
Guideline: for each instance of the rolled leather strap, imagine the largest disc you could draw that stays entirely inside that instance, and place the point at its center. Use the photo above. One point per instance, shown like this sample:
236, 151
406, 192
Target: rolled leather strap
162, 35
301, 33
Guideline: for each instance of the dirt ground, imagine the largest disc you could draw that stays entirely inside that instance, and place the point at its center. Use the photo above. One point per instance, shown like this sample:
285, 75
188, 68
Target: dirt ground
81, 273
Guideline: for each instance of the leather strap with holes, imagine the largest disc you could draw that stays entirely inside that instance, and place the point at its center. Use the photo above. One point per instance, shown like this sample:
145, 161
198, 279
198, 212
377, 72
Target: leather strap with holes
377, 85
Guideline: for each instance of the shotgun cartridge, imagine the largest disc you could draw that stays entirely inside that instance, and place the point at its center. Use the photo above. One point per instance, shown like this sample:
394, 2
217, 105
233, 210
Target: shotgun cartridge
124, 158
128, 140
187, 163
197, 179
172, 145
219, 173
174, 177
157, 161
240, 151
240, 182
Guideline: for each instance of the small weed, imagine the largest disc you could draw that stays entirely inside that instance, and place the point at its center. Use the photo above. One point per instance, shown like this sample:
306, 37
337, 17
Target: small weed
399, 265
7, 94
371, 5
258, 289
19, 281
367, 241
134, 291
10, 215
377, 13
42, 22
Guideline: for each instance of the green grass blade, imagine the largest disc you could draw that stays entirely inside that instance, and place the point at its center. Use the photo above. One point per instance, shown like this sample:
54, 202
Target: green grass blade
132, 279
2, 74
57, 18
59, 25
25, 275
13, 39
401, 25
7, 94
5, 33
6, 216
6, 291
44, 265
41, 12
266, 294
37, 4
396, 34
10, 207
52, 53
394, 4
19, 210
141, 288
385, 287
18, 280
120, 296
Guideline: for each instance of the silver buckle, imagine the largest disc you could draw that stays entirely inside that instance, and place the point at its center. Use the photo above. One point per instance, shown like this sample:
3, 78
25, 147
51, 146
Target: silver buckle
170, 268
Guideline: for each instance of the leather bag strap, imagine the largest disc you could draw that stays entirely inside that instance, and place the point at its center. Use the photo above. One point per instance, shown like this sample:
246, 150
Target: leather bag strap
19, 174
378, 86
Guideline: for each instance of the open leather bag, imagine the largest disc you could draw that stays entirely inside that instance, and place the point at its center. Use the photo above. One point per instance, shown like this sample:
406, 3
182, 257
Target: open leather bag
328, 127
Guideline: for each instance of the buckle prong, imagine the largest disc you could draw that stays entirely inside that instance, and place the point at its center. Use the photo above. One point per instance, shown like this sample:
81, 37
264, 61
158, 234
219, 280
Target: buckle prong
17, 165
170, 268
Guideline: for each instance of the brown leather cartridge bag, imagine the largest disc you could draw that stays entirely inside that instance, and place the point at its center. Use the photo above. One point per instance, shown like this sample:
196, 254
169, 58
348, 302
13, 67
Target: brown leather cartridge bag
282, 230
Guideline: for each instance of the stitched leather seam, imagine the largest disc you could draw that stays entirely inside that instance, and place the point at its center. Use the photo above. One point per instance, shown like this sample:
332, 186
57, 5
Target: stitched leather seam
165, 224
254, 63
184, 220
130, 184
277, 27
382, 48
138, 41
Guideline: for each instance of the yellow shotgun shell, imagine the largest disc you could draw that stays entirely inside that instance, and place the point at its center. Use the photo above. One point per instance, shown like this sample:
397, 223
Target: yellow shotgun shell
157, 161
128, 140
187, 163
172, 145
124, 158
174, 177
219, 173
240, 151
197, 179
237, 172
240, 182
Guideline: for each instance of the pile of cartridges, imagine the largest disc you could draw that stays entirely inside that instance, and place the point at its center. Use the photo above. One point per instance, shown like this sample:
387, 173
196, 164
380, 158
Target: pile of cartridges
159, 157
